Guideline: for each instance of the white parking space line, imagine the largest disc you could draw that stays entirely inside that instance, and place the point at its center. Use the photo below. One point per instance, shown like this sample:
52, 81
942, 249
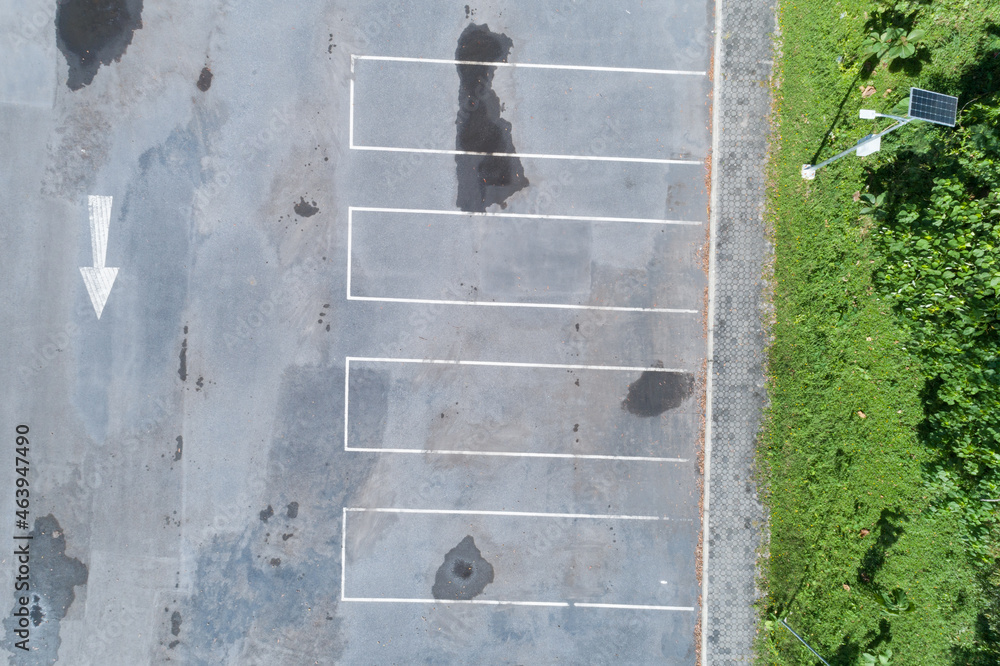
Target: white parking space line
350, 130
517, 454
634, 607
488, 602
540, 156
521, 514
545, 156
529, 65
530, 216
505, 364
485, 602
504, 304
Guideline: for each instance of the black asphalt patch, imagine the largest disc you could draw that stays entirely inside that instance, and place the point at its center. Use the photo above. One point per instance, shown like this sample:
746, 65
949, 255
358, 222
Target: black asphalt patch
305, 208
464, 574
91, 33
657, 392
204, 79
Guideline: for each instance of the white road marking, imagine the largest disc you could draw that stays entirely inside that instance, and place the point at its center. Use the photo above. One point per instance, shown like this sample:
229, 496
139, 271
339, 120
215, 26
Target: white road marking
343, 555
519, 454
350, 234
347, 400
581, 604
485, 602
350, 129
506, 304
501, 364
539, 156
98, 278
492, 602
530, 216
100, 222
529, 65
516, 514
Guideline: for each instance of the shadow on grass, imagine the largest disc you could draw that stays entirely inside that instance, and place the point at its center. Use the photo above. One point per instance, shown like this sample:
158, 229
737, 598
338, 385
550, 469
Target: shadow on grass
980, 80
781, 607
889, 530
849, 651
986, 651
836, 118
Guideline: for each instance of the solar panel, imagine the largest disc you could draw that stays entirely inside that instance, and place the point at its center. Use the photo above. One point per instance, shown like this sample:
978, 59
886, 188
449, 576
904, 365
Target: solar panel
933, 107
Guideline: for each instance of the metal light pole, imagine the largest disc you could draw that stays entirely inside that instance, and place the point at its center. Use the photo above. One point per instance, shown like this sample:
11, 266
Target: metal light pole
924, 105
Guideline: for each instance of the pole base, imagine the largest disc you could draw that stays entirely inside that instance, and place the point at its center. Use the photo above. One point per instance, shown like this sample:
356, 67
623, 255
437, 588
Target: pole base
808, 172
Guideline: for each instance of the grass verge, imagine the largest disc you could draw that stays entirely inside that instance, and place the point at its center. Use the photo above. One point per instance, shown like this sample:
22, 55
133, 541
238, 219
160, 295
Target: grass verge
842, 467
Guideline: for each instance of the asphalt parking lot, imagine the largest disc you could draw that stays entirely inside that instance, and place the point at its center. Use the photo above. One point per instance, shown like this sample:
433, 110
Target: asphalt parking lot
403, 360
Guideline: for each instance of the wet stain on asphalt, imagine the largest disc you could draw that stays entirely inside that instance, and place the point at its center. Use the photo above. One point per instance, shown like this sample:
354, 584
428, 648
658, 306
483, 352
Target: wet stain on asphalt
91, 33
182, 372
305, 208
36, 611
180, 448
657, 392
483, 180
292, 510
464, 574
52, 592
204, 79
175, 623
266, 514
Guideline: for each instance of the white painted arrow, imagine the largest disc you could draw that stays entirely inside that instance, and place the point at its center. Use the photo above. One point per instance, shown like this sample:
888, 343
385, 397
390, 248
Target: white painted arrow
98, 278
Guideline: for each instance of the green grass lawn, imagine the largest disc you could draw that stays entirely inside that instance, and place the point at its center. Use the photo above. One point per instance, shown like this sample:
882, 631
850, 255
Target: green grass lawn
842, 468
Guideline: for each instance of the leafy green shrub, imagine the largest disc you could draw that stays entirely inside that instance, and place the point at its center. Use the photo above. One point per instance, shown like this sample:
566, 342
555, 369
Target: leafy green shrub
940, 240
874, 205
892, 43
895, 602
869, 659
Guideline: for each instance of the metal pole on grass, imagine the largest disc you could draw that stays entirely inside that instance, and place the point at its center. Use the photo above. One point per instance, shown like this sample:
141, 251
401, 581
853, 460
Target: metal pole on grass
801, 640
924, 105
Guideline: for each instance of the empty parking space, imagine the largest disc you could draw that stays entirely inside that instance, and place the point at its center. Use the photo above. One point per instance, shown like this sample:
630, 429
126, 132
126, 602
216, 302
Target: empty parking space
624, 562
557, 187
555, 111
502, 259
520, 410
